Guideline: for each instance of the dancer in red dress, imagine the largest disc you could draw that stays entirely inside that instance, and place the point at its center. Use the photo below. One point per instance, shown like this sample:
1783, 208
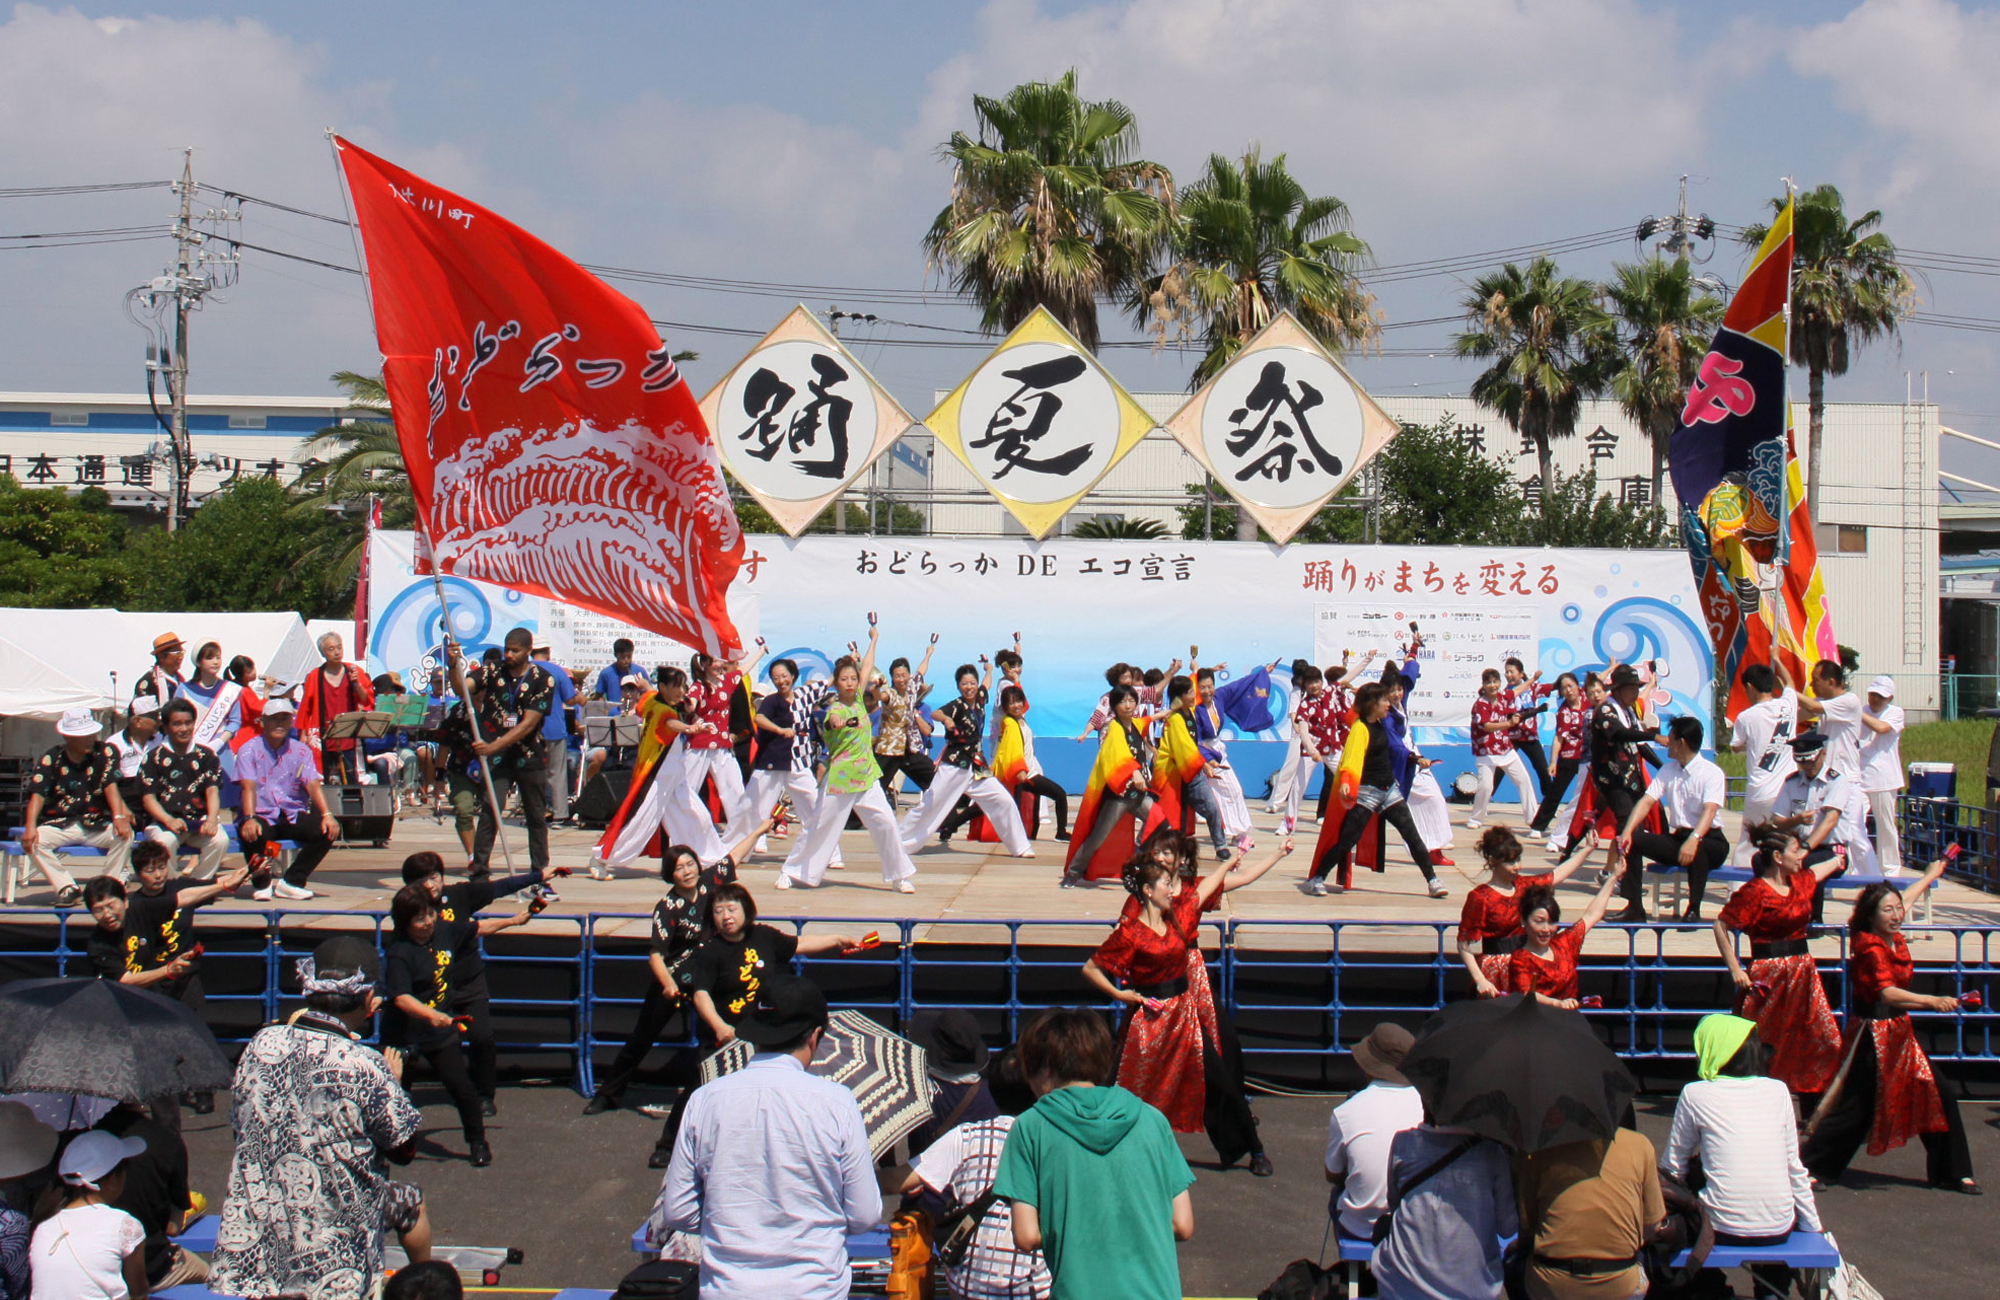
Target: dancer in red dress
1782, 991
1489, 926
1172, 1053
1545, 963
1887, 1091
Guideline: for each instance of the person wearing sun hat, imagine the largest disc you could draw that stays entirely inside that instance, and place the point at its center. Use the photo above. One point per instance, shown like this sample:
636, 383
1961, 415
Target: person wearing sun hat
89, 1249
1738, 1123
1882, 768
955, 1054
1361, 1129
26, 1147
162, 681
73, 799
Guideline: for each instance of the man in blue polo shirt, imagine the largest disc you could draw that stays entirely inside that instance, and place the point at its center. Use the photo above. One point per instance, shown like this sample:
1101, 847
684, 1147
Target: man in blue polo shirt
555, 730
610, 679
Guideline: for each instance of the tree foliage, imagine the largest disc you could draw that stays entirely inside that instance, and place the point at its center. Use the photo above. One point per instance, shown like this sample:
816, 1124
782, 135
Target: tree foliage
59, 551
249, 547
1120, 529
1050, 207
1665, 323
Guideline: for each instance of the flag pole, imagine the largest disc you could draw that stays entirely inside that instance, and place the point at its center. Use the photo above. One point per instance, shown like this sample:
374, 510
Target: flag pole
437, 579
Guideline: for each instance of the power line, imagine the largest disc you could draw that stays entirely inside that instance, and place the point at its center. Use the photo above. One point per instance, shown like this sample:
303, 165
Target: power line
44, 191
278, 252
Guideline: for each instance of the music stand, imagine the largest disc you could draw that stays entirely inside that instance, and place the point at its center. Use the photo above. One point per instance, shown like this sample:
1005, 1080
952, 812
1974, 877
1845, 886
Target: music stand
608, 733
358, 726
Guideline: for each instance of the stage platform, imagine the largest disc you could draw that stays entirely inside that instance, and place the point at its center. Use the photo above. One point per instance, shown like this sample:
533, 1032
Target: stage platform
975, 882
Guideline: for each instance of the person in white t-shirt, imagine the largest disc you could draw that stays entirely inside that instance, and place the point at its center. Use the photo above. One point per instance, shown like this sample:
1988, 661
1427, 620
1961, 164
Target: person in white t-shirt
1838, 716
1689, 791
1824, 806
88, 1250
1763, 733
1882, 769
1363, 1127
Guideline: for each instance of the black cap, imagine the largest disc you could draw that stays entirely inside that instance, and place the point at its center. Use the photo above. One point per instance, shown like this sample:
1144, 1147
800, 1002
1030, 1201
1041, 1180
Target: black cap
1624, 675
951, 1041
785, 1009
1808, 743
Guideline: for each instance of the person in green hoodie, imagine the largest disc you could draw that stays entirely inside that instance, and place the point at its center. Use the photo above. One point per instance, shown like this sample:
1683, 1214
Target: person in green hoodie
1096, 1181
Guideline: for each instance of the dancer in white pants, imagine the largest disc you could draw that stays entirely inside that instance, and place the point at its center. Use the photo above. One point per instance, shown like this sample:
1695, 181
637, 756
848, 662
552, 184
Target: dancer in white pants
783, 767
853, 785
1493, 717
664, 802
962, 771
711, 752
1228, 791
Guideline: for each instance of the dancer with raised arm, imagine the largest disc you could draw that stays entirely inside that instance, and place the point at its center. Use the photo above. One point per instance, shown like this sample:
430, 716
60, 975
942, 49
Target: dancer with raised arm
1116, 800
853, 784
1781, 990
962, 770
711, 750
1368, 789
1545, 963
1172, 1052
661, 800
1489, 926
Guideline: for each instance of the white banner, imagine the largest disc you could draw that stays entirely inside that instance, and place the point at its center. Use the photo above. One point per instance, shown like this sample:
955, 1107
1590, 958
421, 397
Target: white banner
1459, 643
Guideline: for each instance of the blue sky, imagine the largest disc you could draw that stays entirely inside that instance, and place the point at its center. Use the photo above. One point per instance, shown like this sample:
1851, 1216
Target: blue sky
796, 143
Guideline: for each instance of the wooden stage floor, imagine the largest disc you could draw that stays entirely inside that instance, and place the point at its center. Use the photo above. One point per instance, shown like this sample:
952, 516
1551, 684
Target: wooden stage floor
969, 883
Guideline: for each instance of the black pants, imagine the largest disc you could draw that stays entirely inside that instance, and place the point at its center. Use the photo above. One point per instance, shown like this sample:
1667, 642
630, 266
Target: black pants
916, 765
1537, 761
303, 830
1813, 859
1396, 814
1767, 1281
1112, 810
447, 1061
1649, 846
1554, 791
1838, 1133
1042, 788
654, 1015
344, 767
482, 1056
531, 782
1225, 1113
1619, 801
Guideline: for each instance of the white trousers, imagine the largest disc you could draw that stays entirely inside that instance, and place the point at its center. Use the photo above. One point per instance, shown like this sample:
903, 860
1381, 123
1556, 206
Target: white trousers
1302, 770
1560, 823
117, 851
1491, 768
768, 786
1429, 811
984, 789
208, 848
814, 848
1229, 798
669, 806
1755, 814
1888, 838
721, 765
1281, 780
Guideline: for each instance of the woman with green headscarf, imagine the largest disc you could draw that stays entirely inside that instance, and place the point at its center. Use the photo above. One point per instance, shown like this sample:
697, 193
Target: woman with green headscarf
1736, 1141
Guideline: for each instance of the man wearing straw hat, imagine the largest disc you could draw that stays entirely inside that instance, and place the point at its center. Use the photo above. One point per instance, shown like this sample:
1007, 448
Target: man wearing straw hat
1362, 1128
73, 799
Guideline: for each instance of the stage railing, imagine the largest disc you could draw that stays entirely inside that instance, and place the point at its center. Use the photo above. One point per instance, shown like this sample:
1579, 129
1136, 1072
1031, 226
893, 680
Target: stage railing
569, 991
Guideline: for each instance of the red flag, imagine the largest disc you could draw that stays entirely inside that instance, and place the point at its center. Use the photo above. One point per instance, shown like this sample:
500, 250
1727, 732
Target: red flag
369, 523
552, 444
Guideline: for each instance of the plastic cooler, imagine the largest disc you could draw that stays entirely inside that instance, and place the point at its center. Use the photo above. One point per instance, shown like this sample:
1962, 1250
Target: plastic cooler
1933, 781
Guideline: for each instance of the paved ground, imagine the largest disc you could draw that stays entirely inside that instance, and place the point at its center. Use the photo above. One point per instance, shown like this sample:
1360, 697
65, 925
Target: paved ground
569, 1191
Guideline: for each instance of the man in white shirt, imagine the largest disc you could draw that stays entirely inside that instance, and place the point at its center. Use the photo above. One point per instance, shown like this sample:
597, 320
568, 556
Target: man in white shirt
1689, 790
1763, 733
1362, 1128
772, 1165
1825, 806
1840, 717
1882, 769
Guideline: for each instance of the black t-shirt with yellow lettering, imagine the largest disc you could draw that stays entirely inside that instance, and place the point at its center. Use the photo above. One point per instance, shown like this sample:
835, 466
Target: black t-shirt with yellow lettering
423, 971
733, 971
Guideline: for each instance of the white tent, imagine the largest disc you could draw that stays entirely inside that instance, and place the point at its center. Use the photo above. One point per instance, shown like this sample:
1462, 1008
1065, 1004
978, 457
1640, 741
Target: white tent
105, 650
31, 687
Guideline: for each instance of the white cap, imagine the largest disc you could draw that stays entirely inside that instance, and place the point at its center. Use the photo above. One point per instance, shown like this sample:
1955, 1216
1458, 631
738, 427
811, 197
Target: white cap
144, 704
90, 1156
1884, 686
78, 722
632, 679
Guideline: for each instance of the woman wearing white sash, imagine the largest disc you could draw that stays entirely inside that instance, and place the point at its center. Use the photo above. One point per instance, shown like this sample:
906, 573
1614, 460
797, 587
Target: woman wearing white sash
219, 702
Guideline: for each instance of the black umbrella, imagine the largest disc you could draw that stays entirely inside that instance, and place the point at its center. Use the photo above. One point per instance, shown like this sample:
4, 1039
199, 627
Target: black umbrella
104, 1039
1520, 1072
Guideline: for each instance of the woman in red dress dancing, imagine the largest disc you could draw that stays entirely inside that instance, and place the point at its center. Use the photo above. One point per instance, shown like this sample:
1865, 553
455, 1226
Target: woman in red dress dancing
1545, 963
1887, 1091
1782, 991
1489, 926
1172, 1053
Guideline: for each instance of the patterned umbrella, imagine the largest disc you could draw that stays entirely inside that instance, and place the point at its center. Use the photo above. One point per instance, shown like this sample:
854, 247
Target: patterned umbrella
97, 1038
884, 1071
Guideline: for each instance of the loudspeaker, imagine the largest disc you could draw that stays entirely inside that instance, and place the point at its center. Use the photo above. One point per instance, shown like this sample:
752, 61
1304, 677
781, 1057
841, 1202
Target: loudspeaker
366, 812
600, 799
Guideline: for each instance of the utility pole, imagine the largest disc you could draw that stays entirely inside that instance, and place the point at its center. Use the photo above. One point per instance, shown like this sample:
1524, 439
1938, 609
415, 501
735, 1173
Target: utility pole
182, 447
1681, 231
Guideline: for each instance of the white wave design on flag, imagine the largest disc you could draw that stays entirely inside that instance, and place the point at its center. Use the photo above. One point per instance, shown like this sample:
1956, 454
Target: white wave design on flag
584, 511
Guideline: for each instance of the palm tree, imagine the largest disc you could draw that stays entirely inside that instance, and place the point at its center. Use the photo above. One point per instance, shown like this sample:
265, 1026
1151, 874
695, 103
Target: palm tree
1120, 528
363, 459
1050, 207
1551, 346
1847, 289
1667, 322
1249, 244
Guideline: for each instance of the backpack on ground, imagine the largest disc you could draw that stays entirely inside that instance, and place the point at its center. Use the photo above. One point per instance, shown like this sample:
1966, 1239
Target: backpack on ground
660, 1279
1303, 1280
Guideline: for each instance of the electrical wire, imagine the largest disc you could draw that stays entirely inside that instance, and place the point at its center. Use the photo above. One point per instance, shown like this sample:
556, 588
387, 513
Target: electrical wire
108, 230
45, 191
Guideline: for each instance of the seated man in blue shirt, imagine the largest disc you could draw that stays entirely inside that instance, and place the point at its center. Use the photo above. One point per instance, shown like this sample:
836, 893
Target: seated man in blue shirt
772, 1164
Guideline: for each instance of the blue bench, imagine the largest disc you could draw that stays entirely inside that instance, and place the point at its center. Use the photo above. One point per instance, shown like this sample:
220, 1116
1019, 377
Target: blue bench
14, 860
1800, 1250
873, 1244
1673, 874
